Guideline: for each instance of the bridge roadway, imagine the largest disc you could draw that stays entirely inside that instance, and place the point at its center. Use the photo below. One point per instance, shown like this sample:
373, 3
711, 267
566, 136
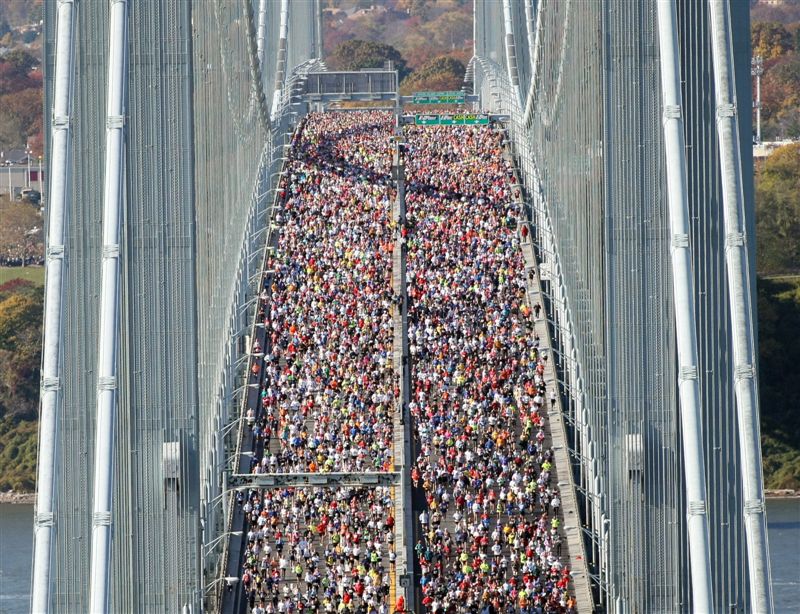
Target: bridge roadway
408, 502
574, 552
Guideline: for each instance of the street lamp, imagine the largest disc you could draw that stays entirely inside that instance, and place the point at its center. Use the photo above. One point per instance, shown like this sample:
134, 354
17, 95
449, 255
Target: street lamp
231, 581
207, 548
28, 153
756, 70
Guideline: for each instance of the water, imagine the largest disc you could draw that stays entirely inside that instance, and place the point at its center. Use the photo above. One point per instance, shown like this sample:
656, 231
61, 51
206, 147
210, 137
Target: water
16, 550
16, 544
783, 523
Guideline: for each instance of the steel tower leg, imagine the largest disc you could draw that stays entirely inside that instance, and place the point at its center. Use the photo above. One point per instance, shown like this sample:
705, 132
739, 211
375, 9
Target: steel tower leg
741, 310
685, 324
319, 29
262, 32
534, 29
511, 50
280, 71
50, 387
113, 199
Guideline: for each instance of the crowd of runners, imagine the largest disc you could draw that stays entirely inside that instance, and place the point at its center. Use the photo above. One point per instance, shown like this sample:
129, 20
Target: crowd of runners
487, 516
489, 530
329, 388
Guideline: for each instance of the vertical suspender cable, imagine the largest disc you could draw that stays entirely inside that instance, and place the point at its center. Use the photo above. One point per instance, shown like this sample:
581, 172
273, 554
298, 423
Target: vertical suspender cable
683, 296
113, 199
741, 311
50, 386
280, 71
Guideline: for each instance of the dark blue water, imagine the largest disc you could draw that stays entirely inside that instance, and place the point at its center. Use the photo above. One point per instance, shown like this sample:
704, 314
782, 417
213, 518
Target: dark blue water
16, 545
16, 550
783, 522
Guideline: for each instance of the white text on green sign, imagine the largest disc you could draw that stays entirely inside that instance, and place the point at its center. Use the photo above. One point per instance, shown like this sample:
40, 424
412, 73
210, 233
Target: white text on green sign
457, 119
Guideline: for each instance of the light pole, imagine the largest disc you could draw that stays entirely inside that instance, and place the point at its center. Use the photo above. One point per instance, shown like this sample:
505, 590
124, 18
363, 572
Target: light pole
230, 581
209, 547
41, 191
28, 160
756, 70
10, 190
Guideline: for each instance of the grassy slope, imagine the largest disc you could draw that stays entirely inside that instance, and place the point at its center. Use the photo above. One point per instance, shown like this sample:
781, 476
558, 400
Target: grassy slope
17, 455
34, 274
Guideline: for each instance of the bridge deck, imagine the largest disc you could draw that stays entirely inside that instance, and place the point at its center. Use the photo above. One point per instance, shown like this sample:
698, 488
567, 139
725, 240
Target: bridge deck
408, 502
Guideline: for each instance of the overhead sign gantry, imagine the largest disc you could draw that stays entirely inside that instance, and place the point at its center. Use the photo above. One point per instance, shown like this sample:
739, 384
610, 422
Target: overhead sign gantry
455, 97
454, 119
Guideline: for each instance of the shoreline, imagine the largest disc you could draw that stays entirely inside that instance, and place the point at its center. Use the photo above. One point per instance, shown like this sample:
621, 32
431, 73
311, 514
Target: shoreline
21, 498
781, 493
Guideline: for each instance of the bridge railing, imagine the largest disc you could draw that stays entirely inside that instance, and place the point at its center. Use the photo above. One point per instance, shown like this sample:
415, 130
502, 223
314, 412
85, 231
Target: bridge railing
258, 242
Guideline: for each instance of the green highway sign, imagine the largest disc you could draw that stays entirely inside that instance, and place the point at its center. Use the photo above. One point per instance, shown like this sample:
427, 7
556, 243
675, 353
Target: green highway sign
448, 119
437, 98
426, 120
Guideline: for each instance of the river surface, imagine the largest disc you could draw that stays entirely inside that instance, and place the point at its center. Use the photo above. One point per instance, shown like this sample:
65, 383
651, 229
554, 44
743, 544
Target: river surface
16, 545
16, 551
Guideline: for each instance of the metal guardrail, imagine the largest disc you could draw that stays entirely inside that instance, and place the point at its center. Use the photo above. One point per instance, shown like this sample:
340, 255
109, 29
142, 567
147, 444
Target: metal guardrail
236, 458
241, 481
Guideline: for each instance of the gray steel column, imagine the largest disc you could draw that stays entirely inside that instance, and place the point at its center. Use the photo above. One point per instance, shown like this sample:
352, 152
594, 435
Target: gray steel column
684, 301
319, 29
511, 50
280, 71
262, 32
474, 28
113, 200
50, 385
534, 29
741, 310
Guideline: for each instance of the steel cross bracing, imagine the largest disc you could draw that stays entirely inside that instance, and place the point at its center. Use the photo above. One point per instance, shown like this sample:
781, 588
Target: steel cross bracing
242, 481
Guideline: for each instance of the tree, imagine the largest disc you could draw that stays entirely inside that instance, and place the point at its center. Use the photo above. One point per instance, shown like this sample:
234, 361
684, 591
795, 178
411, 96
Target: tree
770, 39
415, 8
14, 76
449, 31
779, 389
20, 350
442, 73
20, 117
29, 36
778, 212
20, 59
780, 97
357, 54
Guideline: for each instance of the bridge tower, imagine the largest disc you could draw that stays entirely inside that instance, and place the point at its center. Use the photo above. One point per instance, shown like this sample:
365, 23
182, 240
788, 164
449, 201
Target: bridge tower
206, 114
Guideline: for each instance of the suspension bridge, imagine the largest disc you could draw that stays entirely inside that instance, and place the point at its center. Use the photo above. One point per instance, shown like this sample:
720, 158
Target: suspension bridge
621, 131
